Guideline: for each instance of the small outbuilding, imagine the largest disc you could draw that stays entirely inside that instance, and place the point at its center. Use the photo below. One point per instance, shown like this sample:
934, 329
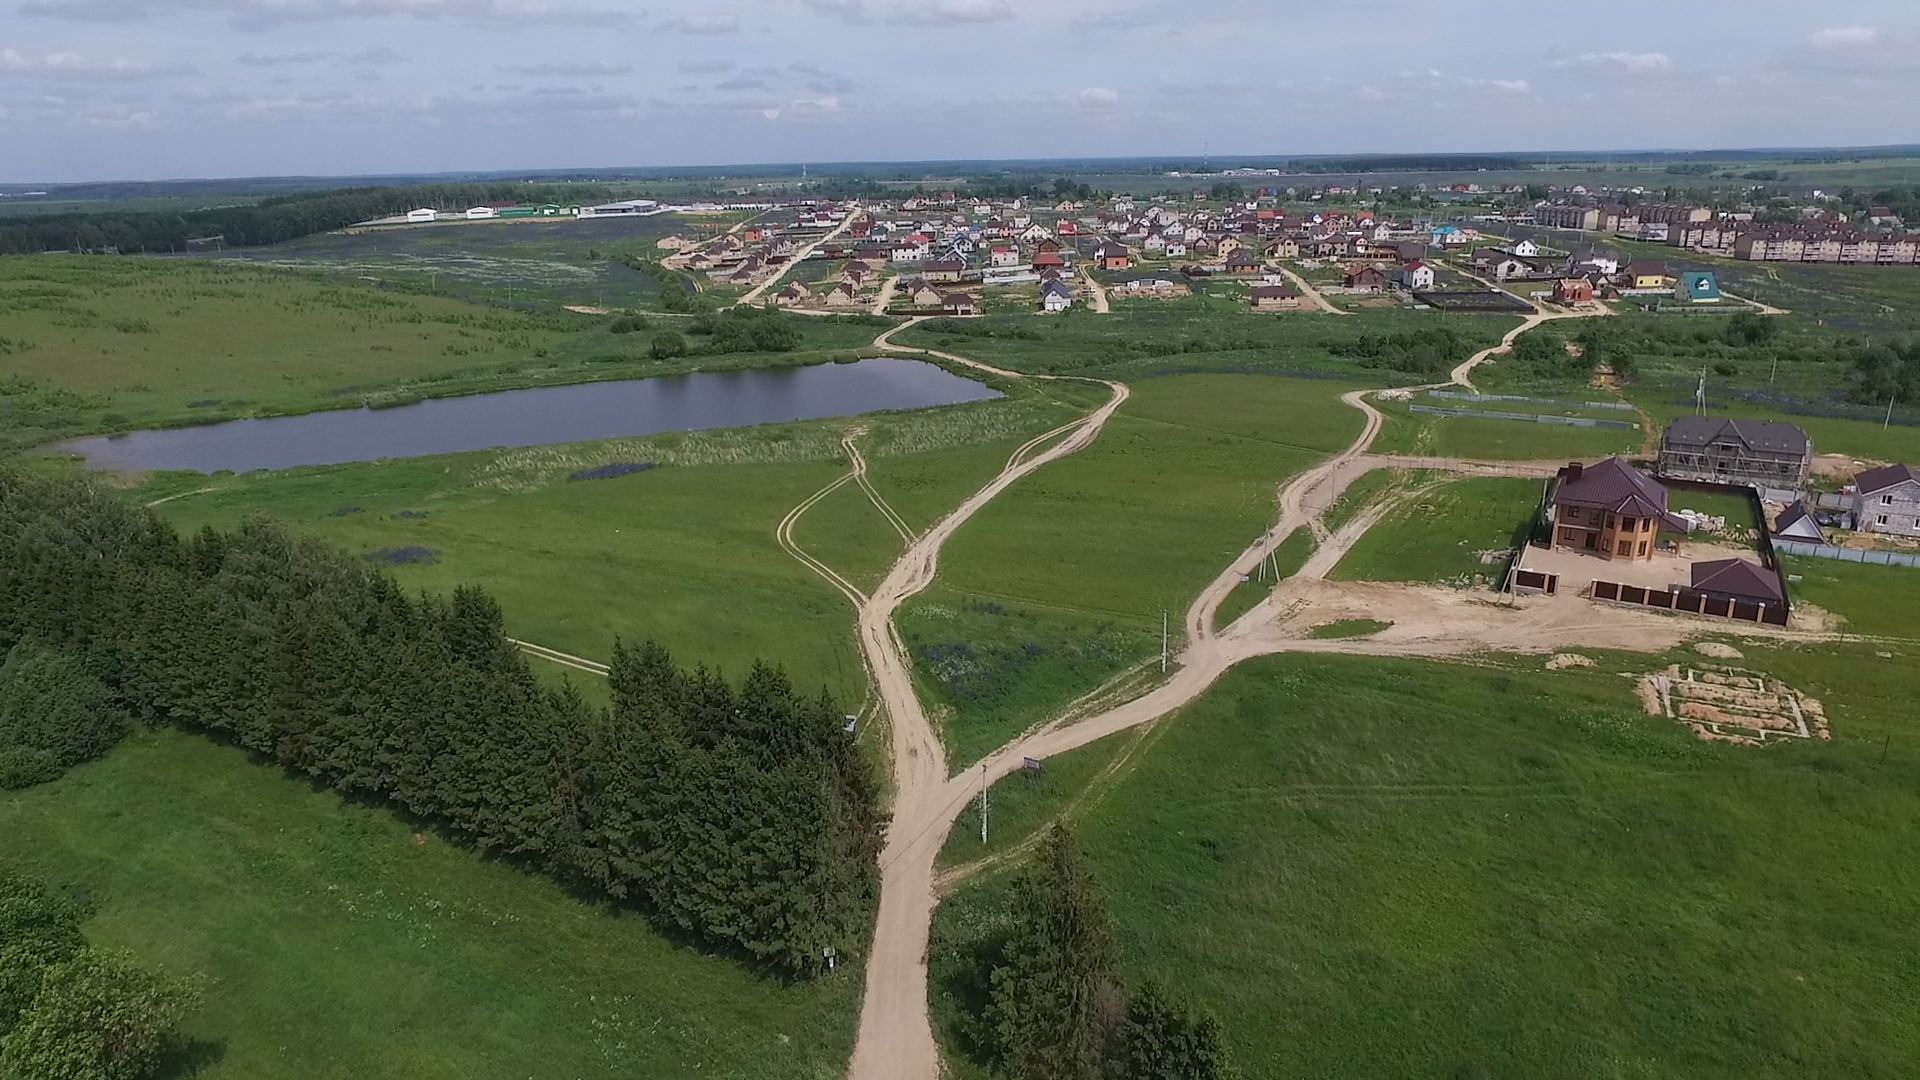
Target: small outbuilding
1697, 287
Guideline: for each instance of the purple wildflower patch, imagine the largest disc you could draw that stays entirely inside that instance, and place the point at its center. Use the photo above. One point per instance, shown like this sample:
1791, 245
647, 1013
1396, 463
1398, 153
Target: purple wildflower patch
412, 553
608, 472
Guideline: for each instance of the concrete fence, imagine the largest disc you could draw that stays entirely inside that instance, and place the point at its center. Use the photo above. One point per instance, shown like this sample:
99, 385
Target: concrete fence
1454, 395
1842, 554
1569, 421
1693, 603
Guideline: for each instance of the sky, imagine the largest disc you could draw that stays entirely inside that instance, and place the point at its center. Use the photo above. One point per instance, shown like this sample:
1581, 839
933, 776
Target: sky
152, 89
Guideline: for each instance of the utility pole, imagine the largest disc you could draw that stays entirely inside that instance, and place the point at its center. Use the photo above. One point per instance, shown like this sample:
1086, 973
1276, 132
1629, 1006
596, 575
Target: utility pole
1700, 394
983, 805
1774, 371
1888, 422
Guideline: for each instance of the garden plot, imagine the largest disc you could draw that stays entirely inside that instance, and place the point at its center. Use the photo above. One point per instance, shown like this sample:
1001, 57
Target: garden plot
1729, 704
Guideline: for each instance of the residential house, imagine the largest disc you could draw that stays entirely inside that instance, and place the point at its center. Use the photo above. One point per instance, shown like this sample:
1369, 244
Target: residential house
1113, 257
792, 294
1417, 275
1274, 298
958, 303
843, 295
1575, 290
1242, 261
1283, 247
1739, 580
1697, 287
1049, 260
1759, 453
1611, 510
1176, 248
1002, 256
922, 294
1526, 249
1035, 233
946, 271
1364, 279
1055, 296
1449, 236
1642, 274
1887, 500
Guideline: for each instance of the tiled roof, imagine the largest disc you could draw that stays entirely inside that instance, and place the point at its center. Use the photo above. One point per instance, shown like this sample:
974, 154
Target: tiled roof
1754, 434
1885, 477
1738, 578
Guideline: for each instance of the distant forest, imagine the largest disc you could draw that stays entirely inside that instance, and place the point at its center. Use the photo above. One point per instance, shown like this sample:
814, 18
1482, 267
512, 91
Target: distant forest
271, 221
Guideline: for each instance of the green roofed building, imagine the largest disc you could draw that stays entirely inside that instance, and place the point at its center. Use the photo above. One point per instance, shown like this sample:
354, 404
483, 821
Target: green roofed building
1697, 287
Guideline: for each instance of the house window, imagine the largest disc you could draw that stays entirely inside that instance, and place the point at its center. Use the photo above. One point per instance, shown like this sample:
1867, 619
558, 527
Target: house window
1643, 548
1886, 500
1626, 547
1882, 519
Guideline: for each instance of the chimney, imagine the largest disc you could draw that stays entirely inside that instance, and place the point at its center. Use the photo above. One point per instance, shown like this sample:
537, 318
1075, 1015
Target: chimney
1574, 469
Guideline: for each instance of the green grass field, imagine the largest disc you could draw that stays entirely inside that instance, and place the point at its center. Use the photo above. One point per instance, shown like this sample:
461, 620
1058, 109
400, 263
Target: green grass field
337, 944
1879, 600
1438, 535
1080, 559
1390, 869
111, 344
1407, 432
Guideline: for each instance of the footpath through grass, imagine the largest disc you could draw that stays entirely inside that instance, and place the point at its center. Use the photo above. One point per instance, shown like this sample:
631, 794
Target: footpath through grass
1390, 869
1061, 581
337, 944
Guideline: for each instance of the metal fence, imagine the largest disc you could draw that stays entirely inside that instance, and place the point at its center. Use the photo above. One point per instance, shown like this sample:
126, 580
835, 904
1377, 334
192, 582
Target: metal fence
1855, 555
1538, 418
1693, 603
1452, 395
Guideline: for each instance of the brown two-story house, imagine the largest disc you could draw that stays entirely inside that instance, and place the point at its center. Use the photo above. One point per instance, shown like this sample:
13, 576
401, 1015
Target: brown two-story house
1612, 510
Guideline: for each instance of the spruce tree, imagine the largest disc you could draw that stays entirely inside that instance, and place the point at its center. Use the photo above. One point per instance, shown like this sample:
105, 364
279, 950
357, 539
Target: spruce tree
1166, 1042
1055, 996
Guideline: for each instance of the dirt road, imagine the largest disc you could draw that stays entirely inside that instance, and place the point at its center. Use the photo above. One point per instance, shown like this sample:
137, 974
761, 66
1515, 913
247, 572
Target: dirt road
887, 287
1099, 293
1319, 299
753, 295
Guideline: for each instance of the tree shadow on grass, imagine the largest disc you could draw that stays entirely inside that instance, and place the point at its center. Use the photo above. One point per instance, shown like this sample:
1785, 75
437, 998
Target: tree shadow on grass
189, 1058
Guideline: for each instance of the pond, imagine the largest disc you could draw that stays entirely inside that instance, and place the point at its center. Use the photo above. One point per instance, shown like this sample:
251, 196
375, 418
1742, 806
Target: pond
536, 417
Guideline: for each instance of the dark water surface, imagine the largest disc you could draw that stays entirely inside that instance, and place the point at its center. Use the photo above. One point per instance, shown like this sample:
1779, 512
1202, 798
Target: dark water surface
537, 417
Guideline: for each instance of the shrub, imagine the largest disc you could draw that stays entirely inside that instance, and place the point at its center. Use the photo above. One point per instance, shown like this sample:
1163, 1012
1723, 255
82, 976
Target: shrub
53, 716
97, 1016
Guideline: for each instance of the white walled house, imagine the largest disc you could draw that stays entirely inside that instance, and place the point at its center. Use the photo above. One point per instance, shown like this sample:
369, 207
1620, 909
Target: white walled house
1887, 500
422, 216
481, 213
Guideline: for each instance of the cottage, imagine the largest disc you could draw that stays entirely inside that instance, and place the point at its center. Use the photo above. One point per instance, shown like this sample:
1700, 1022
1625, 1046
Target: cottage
1284, 247
793, 294
422, 216
1055, 296
1004, 257
1611, 510
1113, 257
1572, 291
843, 295
1887, 500
1697, 287
1049, 260
958, 303
1242, 261
1417, 275
1760, 453
1644, 275
1364, 279
1274, 298
921, 294
944, 270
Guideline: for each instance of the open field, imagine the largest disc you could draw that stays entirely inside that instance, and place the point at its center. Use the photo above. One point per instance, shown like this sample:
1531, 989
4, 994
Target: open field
1391, 869
1195, 334
1442, 534
1407, 432
1085, 556
111, 344
338, 944
1880, 600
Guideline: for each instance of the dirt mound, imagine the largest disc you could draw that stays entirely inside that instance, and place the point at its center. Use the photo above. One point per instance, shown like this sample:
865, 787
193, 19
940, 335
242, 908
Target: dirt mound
1567, 660
1718, 650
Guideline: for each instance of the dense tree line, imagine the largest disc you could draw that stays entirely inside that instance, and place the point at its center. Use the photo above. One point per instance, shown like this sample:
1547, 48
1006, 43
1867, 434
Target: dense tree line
69, 1011
1887, 371
270, 221
741, 816
1429, 351
1058, 1010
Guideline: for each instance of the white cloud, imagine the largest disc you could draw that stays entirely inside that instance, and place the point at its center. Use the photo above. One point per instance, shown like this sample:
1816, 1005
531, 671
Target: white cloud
1630, 62
704, 67
704, 24
820, 106
72, 65
1846, 37
951, 12
264, 14
581, 68
1099, 97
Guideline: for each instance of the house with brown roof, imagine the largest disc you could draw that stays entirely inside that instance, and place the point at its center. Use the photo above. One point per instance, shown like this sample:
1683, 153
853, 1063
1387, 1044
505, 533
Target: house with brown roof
1364, 279
1760, 453
1611, 510
1887, 500
842, 295
1113, 257
1738, 580
958, 303
1243, 261
792, 294
944, 270
1642, 274
1274, 298
1049, 260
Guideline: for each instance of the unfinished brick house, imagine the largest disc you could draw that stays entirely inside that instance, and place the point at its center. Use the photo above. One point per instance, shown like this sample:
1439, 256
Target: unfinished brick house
1611, 510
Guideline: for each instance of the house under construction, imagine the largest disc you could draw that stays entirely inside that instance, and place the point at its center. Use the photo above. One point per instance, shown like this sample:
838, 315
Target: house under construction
1758, 453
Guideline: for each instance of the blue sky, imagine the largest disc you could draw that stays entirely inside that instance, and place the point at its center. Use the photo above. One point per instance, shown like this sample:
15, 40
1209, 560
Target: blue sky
145, 89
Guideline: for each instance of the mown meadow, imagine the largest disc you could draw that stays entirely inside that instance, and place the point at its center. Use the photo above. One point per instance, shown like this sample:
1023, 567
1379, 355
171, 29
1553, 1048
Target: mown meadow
1382, 869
